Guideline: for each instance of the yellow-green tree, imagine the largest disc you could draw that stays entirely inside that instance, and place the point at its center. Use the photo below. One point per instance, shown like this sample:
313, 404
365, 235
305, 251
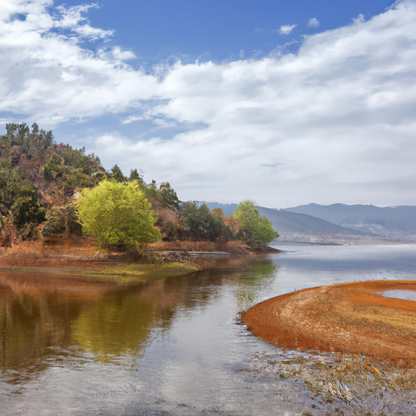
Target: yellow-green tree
117, 215
254, 229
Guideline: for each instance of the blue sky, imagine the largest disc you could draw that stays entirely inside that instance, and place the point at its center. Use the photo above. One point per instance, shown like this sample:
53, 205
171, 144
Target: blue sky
282, 102
218, 30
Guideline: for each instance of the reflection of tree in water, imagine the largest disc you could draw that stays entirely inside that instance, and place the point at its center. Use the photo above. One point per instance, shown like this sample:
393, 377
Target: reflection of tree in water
42, 318
115, 325
196, 290
30, 324
254, 281
38, 320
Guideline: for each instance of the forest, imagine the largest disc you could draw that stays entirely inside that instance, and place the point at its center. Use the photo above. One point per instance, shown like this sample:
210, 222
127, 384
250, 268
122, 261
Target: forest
49, 189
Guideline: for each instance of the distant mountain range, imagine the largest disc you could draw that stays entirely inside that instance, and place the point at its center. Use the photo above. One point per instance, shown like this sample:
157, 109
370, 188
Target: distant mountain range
392, 222
289, 222
338, 222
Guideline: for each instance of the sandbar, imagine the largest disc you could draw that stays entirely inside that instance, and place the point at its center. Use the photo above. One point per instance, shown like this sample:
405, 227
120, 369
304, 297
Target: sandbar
353, 318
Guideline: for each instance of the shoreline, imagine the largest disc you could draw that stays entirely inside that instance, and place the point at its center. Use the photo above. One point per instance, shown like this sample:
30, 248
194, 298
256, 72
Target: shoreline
349, 318
80, 255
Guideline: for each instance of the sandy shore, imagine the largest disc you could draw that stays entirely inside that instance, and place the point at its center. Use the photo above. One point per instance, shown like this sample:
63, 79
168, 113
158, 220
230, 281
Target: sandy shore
350, 318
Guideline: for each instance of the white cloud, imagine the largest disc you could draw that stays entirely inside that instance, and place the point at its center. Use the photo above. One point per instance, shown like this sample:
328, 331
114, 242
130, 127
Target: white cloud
133, 118
49, 72
71, 19
313, 22
286, 29
333, 123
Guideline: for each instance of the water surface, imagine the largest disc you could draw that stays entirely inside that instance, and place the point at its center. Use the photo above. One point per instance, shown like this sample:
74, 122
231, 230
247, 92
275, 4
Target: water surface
400, 294
170, 347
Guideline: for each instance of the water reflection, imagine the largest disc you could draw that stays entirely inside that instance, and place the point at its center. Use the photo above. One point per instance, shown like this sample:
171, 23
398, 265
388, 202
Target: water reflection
255, 282
39, 313
43, 314
68, 346
32, 318
115, 325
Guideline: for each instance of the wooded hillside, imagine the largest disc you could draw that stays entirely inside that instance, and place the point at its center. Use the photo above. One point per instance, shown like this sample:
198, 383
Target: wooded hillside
41, 182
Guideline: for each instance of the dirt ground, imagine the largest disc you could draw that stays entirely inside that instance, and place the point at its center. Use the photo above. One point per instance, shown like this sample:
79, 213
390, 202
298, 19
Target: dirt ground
82, 254
350, 318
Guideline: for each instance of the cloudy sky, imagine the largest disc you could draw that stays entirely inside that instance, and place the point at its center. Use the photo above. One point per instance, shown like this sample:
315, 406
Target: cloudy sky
284, 102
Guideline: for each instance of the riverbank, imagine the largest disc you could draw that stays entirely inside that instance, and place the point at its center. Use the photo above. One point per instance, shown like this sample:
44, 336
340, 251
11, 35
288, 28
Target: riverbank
82, 256
350, 318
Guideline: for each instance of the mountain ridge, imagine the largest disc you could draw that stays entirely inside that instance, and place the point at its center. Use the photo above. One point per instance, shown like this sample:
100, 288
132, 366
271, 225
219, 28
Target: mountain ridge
392, 222
338, 222
300, 227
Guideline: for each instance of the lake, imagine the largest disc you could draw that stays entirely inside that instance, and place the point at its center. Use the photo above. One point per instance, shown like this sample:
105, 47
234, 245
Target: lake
71, 346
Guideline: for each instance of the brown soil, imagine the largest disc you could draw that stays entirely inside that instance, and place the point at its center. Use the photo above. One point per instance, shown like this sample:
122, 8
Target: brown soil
347, 318
82, 253
56, 253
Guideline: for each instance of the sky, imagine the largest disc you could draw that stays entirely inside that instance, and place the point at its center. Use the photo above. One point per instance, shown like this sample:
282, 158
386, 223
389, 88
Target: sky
283, 102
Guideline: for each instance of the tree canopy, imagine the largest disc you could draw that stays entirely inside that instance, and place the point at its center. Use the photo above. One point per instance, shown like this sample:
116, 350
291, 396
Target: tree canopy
254, 229
202, 223
117, 215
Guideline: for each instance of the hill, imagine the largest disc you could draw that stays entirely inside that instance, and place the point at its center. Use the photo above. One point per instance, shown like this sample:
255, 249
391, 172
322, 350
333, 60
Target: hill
299, 227
290, 222
41, 182
398, 223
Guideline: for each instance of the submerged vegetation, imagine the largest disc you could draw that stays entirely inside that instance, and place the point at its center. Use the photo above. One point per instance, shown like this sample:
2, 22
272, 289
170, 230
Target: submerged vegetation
50, 189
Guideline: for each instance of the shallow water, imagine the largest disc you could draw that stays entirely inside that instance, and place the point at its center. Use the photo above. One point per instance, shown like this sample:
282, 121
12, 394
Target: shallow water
400, 294
168, 347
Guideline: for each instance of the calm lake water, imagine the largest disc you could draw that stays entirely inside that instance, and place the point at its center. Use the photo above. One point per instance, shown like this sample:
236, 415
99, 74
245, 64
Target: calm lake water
69, 346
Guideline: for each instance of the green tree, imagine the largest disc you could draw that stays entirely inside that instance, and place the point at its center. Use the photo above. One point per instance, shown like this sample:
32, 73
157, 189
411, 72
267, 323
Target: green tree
117, 174
168, 196
117, 215
254, 229
35, 128
19, 199
54, 167
135, 175
202, 223
5, 154
60, 220
150, 191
